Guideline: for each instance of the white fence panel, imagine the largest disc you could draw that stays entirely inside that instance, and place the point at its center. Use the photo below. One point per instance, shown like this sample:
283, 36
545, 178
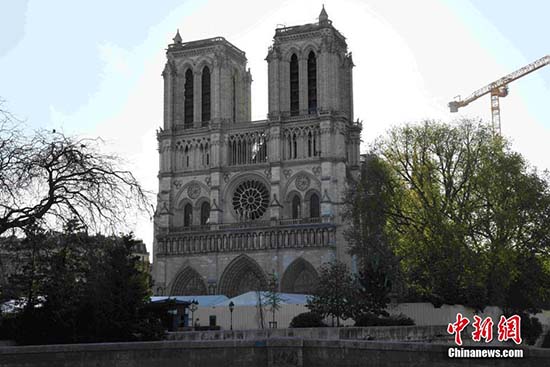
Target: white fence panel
248, 317
423, 314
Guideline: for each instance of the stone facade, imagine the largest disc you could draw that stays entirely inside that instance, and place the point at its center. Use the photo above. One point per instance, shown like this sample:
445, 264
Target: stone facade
241, 199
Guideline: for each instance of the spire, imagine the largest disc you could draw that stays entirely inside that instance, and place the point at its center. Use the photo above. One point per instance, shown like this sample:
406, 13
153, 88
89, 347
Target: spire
323, 17
177, 38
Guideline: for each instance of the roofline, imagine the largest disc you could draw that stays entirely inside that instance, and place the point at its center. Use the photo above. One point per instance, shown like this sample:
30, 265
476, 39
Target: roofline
207, 42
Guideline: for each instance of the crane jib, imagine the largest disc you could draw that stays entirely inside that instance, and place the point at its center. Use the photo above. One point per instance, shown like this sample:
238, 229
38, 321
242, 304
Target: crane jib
454, 105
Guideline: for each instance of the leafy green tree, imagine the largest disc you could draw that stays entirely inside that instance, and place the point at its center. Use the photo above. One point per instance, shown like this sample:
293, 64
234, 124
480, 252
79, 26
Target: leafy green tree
117, 290
514, 223
272, 297
25, 255
334, 292
467, 214
367, 203
92, 289
434, 166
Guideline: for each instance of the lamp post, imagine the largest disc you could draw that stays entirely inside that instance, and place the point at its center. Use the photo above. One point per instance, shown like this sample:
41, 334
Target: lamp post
193, 308
231, 308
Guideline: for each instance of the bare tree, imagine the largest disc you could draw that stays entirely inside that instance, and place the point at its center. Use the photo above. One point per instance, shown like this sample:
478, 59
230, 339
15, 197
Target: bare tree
50, 178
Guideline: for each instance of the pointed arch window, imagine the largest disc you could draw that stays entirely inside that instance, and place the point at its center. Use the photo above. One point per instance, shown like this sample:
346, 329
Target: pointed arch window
312, 83
205, 213
205, 98
296, 207
188, 99
187, 215
294, 86
314, 207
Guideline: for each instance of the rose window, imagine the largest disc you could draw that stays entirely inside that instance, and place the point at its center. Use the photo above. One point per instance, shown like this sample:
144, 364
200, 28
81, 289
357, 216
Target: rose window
250, 200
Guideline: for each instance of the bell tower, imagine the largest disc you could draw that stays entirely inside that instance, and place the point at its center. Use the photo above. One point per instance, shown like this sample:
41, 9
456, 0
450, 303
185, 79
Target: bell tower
205, 82
310, 71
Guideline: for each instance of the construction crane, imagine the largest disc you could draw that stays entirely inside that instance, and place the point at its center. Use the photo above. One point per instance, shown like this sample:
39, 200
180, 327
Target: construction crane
498, 89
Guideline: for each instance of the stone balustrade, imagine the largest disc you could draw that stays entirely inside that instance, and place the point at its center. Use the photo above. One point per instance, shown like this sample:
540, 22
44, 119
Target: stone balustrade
249, 236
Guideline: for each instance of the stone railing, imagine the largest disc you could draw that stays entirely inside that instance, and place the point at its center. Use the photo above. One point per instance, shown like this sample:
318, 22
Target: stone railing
250, 238
206, 43
300, 221
240, 225
198, 228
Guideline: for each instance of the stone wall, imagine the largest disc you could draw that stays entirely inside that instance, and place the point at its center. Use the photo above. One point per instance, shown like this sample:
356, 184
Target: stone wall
255, 353
389, 333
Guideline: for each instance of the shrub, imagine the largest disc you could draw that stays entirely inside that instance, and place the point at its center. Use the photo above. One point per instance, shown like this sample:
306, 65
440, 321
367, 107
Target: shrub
94, 290
370, 319
307, 319
546, 341
531, 328
8, 327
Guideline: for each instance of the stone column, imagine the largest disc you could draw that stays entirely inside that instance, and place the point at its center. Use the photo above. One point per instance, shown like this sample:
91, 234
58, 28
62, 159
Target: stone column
197, 97
273, 85
332, 75
322, 79
274, 144
216, 212
327, 147
215, 151
168, 75
284, 87
215, 101
339, 140
226, 92
166, 153
238, 98
178, 98
302, 86
247, 96
327, 152
275, 207
350, 86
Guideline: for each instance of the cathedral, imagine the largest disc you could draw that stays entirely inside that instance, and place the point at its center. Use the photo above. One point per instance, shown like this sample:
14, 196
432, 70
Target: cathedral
239, 200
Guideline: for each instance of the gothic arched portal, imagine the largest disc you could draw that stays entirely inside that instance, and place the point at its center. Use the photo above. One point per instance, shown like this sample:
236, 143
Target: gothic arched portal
299, 277
188, 283
242, 275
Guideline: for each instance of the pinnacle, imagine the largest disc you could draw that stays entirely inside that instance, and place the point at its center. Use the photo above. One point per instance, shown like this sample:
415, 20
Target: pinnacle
323, 16
177, 37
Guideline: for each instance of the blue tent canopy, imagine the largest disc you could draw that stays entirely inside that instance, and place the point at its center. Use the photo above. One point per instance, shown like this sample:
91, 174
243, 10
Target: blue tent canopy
251, 299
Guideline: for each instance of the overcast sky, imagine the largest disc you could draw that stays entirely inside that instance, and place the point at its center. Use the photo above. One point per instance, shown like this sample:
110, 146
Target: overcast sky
93, 68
